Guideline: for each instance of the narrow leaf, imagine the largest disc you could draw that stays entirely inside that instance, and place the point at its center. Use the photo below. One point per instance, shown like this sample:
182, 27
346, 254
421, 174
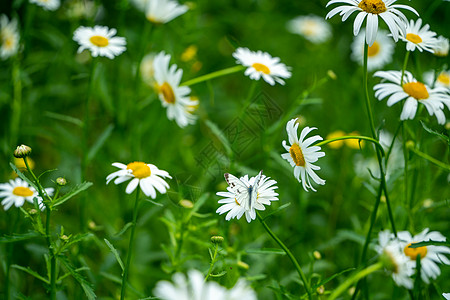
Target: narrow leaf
220, 274
85, 285
277, 210
266, 251
116, 254
31, 272
220, 135
123, 230
332, 277
74, 191
18, 237
429, 243
75, 239
64, 118
99, 142
23, 177
438, 134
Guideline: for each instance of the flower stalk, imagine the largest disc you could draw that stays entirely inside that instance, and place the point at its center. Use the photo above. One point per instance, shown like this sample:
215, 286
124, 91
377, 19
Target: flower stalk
213, 75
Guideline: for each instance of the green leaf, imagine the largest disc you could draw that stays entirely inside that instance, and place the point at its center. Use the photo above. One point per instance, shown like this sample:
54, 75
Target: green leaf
118, 280
123, 230
85, 285
331, 278
438, 134
429, 243
266, 251
99, 142
75, 239
219, 134
22, 176
18, 237
116, 254
31, 272
220, 274
74, 191
64, 118
277, 210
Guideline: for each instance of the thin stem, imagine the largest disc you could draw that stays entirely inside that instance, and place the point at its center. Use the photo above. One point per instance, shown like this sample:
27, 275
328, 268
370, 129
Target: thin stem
289, 254
405, 63
430, 159
405, 157
353, 137
130, 247
17, 102
213, 261
212, 75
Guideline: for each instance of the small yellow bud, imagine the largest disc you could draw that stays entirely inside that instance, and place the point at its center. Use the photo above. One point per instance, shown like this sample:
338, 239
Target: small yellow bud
331, 74
427, 203
61, 181
217, 239
317, 255
320, 290
383, 198
32, 211
447, 126
186, 203
243, 265
65, 238
92, 225
351, 291
410, 144
22, 151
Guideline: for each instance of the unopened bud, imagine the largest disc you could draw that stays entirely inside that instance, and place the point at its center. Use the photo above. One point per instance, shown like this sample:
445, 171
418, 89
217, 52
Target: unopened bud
409, 144
22, 151
92, 225
317, 255
217, 239
186, 203
32, 211
320, 290
65, 238
331, 74
243, 265
61, 181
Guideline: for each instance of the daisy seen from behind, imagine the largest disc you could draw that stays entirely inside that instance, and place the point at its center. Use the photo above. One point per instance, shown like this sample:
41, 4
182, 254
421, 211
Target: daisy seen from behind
418, 37
378, 55
147, 176
163, 11
441, 46
9, 37
100, 40
301, 155
371, 10
175, 98
430, 256
17, 191
245, 195
262, 64
414, 92
312, 28
47, 4
442, 79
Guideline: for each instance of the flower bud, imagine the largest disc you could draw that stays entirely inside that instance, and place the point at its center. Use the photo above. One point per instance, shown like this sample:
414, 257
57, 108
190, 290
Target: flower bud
243, 265
317, 255
22, 151
61, 181
320, 290
409, 144
217, 239
331, 74
186, 203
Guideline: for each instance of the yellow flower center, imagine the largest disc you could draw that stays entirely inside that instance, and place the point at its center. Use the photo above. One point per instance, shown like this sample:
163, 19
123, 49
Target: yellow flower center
310, 28
413, 252
99, 41
372, 6
444, 78
416, 90
373, 50
140, 169
22, 191
166, 90
414, 38
261, 68
297, 155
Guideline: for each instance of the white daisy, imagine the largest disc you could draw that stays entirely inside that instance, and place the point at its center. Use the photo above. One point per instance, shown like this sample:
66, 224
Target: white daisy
244, 195
441, 46
372, 9
163, 11
302, 155
9, 37
140, 4
430, 256
312, 28
378, 55
415, 92
389, 249
446, 295
417, 37
173, 96
47, 4
100, 40
261, 64
147, 176
442, 80
18, 191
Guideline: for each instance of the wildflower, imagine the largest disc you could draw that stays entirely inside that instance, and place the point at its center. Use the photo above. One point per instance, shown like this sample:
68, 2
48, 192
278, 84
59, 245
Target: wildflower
414, 91
9, 37
442, 80
441, 46
244, 195
261, 64
163, 11
140, 4
81, 10
430, 256
217, 239
147, 69
372, 9
173, 96
18, 191
312, 28
302, 155
47, 4
417, 37
147, 176
378, 55
22, 151
100, 40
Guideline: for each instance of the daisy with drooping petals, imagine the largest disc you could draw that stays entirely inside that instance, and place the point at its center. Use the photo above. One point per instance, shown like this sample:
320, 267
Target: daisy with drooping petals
312, 28
100, 40
302, 155
147, 176
415, 92
9, 37
173, 96
430, 256
47, 4
261, 64
244, 195
378, 55
18, 191
372, 9
163, 11
442, 80
441, 46
417, 37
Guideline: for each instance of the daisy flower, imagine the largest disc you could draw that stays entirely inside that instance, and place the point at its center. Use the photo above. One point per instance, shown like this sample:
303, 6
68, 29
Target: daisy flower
9, 37
417, 37
389, 249
173, 96
244, 195
147, 176
163, 11
302, 155
261, 64
430, 256
47, 4
18, 191
140, 4
100, 40
442, 80
312, 28
378, 55
441, 46
372, 9
414, 91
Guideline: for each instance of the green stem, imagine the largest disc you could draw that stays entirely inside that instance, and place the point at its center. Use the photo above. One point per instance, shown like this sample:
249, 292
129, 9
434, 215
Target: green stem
405, 63
130, 247
361, 274
213, 261
353, 137
212, 75
17, 102
430, 159
289, 254
405, 157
